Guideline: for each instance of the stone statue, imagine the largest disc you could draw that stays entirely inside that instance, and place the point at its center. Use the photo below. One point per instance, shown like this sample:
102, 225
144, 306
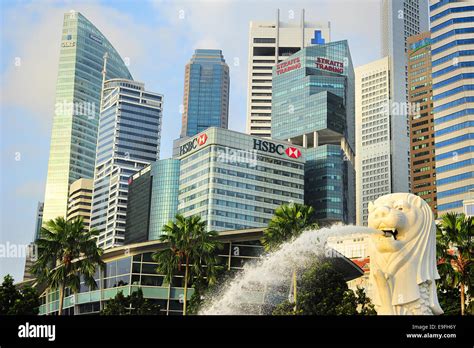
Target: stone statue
403, 256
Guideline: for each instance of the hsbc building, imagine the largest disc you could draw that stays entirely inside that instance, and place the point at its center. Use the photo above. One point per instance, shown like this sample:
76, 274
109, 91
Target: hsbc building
234, 180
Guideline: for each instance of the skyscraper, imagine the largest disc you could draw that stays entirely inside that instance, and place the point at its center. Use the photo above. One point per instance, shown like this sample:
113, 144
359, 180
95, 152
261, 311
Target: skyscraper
271, 42
206, 92
74, 133
128, 140
152, 200
400, 19
313, 106
236, 181
80, 200
420, 94
452, 50
375, 167
39, 220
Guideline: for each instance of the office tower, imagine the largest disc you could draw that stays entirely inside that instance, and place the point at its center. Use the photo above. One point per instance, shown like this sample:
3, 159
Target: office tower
400, 19
80, 200
74, 133
236, 181
271, 42
375, 163
152, 200
420, 93
39, 220
313, 106
206, 92
128, 140
452, 64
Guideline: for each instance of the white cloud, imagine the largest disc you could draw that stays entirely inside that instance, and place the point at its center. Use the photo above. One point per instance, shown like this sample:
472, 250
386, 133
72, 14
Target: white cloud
35, 42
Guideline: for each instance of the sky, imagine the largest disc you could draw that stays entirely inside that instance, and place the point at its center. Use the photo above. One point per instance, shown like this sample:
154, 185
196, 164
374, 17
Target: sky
158, 39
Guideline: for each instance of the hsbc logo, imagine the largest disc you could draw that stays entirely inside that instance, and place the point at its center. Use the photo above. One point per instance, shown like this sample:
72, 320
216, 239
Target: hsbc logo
202, 139
191, 145
293, 152
267, 146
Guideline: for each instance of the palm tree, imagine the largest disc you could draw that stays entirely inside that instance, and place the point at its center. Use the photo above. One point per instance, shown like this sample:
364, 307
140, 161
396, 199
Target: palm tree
189, 243
455, 250
288, 221
67, 251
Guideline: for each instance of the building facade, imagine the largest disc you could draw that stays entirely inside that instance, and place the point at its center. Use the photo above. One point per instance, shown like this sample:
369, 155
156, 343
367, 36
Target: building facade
128, 140
376, 165
452, 50
206, 92
152, 200
39, 220
400, 19
80, 201
131, 267
76, 118
236, 181
313, 107
420, 94
270, 43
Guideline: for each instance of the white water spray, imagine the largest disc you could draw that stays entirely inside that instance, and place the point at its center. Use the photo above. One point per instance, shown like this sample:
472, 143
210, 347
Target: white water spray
267, 281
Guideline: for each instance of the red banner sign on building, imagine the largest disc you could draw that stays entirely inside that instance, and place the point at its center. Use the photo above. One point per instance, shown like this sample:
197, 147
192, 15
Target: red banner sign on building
329, 65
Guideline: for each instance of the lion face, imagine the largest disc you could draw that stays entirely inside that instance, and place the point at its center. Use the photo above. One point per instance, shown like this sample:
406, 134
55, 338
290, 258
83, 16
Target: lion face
396, 217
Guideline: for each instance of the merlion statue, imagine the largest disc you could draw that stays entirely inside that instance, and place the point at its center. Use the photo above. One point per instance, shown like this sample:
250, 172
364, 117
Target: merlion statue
403, 256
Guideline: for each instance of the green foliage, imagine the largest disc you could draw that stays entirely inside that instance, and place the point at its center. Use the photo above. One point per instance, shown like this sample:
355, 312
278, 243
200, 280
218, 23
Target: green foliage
133, 304
288, 221
448, 298
14, 301
323, 291
191, 245
455, 252
67, 251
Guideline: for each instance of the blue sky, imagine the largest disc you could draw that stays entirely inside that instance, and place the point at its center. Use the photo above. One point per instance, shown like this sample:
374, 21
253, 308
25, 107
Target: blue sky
159, 38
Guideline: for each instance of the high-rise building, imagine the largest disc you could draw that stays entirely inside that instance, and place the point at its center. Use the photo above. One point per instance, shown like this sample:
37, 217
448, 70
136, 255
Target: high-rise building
80, 200
39, 220
375, 162
452, 50
236, 181
76, 118
400, 19
420, 93
313, 107
152, 200
31, 251
206, 92
128, 140
271, 42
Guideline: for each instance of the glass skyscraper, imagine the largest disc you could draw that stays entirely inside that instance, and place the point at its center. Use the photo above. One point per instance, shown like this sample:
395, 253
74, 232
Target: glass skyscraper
128, 140
313, 106
152, 200
76, 118
236, 181
206, 92
452, 61
400, 19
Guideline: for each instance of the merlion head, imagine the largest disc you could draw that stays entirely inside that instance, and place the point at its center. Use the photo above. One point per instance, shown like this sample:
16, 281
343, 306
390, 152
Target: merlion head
403, 254
400, 217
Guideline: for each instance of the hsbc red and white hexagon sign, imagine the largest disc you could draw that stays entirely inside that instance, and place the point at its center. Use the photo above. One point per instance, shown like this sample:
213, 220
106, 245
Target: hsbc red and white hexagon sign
202, 139
293, 152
